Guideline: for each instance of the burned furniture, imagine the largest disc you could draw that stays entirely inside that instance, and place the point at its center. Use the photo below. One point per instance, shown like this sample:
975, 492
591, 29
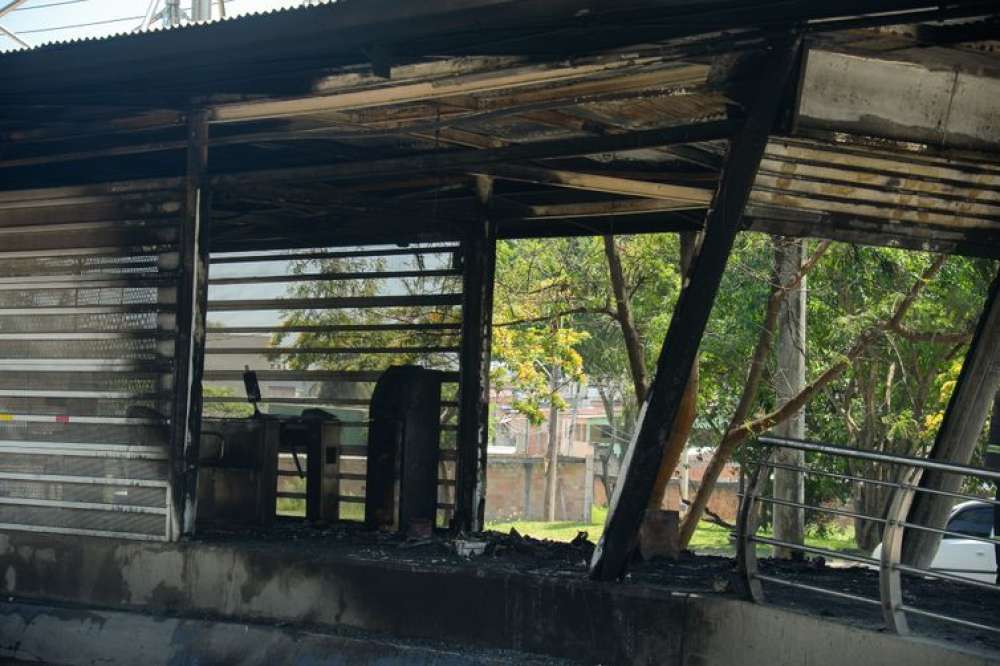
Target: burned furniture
236, 483
402, 474
241, 468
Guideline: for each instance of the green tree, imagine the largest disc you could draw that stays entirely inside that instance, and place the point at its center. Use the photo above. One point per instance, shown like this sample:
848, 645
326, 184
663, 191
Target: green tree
224, 410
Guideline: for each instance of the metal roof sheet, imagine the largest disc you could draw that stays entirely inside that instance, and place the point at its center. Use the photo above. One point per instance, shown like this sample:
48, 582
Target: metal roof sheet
291, 6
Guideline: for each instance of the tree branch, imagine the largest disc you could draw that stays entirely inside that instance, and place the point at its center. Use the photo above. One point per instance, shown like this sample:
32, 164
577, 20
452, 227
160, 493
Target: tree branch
623, 307
556, 315
766, 338
944, 338
739, 433
833, 372
713, 517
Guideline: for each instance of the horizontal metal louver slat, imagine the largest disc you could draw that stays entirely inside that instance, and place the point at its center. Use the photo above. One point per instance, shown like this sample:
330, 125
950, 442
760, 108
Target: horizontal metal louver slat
84, 493
70, 465
38, 518
320, 326
87, 330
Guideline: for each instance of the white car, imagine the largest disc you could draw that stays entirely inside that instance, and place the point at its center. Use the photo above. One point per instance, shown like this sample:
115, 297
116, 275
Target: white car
968, 558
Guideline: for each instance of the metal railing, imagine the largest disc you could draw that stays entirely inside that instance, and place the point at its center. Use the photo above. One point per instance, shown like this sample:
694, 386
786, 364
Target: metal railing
903, 486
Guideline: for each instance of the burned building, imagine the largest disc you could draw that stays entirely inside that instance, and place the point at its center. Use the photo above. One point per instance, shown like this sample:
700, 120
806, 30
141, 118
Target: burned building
155, 187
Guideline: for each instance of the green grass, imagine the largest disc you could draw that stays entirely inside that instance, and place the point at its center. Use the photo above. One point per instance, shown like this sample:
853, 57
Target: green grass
709, 538
557, 531
833, 539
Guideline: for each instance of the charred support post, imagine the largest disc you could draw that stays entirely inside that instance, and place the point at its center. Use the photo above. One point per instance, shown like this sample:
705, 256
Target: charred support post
189, 346
478, 265
959, 433
680, 346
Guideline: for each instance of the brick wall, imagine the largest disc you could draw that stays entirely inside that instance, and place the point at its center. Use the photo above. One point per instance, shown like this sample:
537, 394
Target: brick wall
724, 502
515, 489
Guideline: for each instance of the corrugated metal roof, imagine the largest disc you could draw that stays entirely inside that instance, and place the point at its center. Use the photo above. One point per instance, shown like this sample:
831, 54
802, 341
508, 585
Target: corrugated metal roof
291, 6
294, 89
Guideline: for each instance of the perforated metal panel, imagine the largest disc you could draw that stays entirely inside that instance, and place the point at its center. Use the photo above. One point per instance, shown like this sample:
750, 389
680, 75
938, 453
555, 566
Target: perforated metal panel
86, 346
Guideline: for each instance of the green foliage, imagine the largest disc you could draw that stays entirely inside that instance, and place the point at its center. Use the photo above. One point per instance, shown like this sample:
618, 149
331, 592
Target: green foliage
556, 323
541, 281
535, 362
227, 410
892, 398
367, 287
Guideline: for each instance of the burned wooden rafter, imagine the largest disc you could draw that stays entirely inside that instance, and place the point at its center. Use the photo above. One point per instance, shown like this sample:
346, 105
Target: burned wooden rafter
591, 209
338, 210
873, 231
435, 125
258, 234
325, 99
595, 182
687, 326
577, 118
602, 225
463, 160
74, 195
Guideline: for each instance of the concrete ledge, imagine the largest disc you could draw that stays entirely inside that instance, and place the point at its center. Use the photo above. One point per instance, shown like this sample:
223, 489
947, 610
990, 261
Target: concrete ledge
560, 616
116, 637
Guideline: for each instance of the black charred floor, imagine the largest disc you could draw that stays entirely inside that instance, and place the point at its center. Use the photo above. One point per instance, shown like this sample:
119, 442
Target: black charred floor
690, 574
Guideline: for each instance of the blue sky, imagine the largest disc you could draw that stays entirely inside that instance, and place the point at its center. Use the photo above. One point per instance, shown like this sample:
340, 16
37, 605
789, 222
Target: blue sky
36, 21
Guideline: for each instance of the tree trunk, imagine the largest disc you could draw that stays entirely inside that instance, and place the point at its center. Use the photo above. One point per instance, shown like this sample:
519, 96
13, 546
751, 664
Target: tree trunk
609, 412
870, 499
747, 398
684, 421
552, 472
790, 379
677, 441
960, 431
623, 308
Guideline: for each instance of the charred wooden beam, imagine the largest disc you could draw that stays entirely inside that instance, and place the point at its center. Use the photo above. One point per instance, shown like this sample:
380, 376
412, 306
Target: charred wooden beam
680, 194
475, 82
873, 231
687, 326
601, 225
465, 160
478, 266
612, 208
73, 195
577, 119
189, 346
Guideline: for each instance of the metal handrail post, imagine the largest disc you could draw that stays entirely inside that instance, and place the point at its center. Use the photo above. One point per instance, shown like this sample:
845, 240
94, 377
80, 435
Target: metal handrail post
890, 582
746, 527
